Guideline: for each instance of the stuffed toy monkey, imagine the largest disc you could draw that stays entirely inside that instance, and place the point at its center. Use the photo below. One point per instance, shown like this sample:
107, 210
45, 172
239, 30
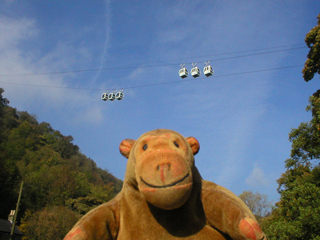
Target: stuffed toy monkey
164, 197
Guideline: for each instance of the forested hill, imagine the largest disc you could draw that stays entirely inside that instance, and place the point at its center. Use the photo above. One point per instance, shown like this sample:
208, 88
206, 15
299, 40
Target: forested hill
52, 168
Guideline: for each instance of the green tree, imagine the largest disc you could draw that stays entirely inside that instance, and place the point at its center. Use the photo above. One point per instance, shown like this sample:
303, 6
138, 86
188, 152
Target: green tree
83, 205
9, 179
98, 194
3, 103
54, 172
312, 65
64, 145
48, 224
297, 215
9, 174
306, 138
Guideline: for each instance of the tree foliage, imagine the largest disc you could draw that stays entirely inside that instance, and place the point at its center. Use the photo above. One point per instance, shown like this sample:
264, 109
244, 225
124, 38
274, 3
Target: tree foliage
257, 202
306, 138
48, 223
9, 175
312, 65
297, 215
57, 177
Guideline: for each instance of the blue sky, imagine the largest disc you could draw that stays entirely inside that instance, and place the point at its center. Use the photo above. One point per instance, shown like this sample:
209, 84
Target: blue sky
241, 116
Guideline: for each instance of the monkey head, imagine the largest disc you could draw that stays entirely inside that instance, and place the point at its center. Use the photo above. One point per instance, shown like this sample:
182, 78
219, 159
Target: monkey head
160, 166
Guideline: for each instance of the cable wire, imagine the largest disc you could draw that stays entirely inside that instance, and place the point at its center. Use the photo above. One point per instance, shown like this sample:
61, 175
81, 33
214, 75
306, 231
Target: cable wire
156, 64
156, 84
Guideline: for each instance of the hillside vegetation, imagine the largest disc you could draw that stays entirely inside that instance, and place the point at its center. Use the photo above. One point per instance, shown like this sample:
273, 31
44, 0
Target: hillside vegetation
60, 183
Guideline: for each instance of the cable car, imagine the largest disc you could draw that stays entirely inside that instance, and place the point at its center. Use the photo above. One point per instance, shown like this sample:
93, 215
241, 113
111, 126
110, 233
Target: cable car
119, 95
207, 70
183, 72
104, 96
195, 72
111, 96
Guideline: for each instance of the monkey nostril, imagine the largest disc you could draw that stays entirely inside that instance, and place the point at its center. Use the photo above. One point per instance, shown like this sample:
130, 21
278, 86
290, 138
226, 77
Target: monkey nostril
165, 166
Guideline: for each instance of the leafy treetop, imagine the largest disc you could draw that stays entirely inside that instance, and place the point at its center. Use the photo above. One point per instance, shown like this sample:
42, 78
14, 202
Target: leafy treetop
312, 65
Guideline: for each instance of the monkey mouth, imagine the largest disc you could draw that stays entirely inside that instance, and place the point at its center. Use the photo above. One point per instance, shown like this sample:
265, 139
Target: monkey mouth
165, 186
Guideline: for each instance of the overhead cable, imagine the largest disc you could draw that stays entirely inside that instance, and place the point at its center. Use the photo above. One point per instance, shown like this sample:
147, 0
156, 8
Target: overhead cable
155, 84
156, 64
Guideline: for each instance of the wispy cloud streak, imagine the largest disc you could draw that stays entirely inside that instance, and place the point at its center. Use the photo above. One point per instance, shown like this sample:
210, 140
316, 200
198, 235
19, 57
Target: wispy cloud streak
107, 4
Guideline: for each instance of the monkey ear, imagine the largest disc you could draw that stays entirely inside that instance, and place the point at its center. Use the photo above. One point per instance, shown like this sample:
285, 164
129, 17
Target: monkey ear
194, 144
126, 146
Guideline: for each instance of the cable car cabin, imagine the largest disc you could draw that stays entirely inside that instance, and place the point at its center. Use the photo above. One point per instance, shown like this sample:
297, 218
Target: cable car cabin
207, 70
195, 72
119, 95
111, 96
183, 72
104, 96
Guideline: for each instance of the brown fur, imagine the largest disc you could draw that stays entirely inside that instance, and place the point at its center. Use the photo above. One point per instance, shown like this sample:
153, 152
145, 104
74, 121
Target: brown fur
164, 197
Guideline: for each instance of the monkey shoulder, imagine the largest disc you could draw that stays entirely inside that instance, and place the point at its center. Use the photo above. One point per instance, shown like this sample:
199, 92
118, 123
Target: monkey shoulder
101, 222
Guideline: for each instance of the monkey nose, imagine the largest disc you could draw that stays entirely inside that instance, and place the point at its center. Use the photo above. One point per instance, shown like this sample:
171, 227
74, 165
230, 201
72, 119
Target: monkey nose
164, 170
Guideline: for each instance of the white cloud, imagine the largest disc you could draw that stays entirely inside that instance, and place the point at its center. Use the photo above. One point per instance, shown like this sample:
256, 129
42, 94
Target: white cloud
49, 92
136, 74
92, 115
257, 178
14, 31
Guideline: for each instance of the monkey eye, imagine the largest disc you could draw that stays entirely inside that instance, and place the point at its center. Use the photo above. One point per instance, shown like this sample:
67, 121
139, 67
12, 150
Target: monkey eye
145, 147
176, 144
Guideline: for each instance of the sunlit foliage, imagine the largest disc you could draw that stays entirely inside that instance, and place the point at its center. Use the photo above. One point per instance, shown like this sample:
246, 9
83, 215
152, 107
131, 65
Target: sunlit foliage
312, 65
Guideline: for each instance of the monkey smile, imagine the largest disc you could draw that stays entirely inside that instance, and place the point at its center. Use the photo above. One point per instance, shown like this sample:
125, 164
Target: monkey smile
165, 186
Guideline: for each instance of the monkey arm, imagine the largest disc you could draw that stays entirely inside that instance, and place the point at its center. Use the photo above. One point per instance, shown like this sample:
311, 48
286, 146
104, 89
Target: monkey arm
229, 214
101, 223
